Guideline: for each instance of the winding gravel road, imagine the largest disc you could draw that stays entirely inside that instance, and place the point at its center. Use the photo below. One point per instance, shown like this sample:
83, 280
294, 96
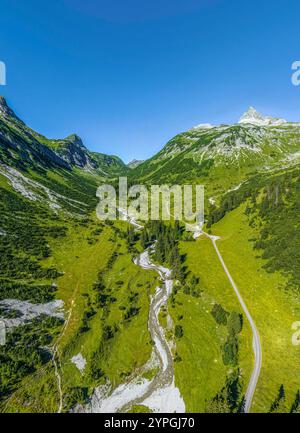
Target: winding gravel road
256, 339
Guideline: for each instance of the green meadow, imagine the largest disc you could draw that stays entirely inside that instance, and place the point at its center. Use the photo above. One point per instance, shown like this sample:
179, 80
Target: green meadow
272, 305
200, 374
112, 336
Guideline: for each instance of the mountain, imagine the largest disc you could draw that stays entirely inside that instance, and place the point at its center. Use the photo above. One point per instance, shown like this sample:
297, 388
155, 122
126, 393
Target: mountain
255, 118
22, 146
72, 150
60, 173
202, 153
134, 163
82, 306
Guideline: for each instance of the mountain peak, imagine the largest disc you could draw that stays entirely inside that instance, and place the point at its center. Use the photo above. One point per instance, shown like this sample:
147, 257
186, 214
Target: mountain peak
75, 139
253, 117
252, 113
2, 101
5, 110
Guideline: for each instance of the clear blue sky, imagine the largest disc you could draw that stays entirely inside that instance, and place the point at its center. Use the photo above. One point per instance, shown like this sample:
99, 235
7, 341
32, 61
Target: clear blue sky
127, 75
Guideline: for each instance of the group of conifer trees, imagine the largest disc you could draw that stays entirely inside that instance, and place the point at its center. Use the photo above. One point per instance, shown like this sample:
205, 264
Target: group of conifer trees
166, 238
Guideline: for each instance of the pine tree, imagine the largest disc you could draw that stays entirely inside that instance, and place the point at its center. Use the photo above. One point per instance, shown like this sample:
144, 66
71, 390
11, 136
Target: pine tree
279, 404
295, 406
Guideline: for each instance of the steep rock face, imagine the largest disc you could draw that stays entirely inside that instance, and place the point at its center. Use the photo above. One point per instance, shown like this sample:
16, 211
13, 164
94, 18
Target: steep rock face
73, 151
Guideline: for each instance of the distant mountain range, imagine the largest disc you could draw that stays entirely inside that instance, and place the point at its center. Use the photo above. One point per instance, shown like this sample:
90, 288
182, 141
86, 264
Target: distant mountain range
220, 156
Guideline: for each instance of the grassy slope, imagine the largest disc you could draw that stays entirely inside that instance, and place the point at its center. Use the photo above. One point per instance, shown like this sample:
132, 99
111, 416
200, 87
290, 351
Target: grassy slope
273, 309
129, 349
131, 346
201, 373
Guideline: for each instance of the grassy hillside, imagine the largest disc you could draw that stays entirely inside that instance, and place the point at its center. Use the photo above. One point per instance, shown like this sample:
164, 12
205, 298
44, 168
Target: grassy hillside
259, 243
220, 157
100, 323
200, 371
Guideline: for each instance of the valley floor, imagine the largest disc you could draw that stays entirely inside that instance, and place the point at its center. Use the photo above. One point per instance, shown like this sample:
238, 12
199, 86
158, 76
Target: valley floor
110, 339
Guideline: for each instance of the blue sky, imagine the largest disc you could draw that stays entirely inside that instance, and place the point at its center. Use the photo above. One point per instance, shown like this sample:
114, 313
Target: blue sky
127, 75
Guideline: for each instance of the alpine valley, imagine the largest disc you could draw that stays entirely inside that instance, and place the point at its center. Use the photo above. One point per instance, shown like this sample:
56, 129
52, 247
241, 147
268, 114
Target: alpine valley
128, 316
